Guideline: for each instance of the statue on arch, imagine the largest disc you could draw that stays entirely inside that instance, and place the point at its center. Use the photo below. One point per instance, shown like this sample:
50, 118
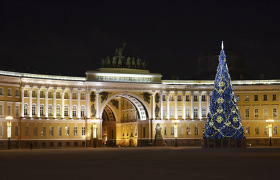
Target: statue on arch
120, 63
114, 62
118, 51
143, 64
133, 64
139, 63
128, 62
108, 62
103, 62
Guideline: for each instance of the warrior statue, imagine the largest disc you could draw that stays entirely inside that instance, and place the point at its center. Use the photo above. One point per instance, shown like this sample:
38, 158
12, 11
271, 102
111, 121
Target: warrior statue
118, 51
133, 63
108, 62
128, 64
120, 63
103, 63
114, 62
139, 63
143, 64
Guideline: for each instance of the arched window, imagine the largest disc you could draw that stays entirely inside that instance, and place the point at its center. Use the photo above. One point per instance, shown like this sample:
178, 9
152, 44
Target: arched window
74, 111
25, 109
179, 111
50, 110
33, 109
57, 110
65, 110
195, 112
171, 111
187, 111
204, 112
82, 111
164, 111
41, 110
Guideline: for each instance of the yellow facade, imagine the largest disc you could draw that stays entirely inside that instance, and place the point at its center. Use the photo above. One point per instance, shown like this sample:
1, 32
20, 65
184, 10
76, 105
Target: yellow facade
117, 110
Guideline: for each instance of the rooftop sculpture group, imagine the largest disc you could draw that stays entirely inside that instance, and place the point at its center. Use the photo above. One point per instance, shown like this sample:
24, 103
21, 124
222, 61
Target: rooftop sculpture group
119, 61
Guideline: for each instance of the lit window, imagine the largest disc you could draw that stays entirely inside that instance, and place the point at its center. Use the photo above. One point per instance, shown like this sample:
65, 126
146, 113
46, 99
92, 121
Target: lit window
256, 97
274, 112
188, 130
83, 131
25, 109
195, 112
66, 111
74, 111
82, 96
248, 130
171, 111
59, 131
265, 97
188, 112
51, 131
265, 112
274, 97
9, 110
57, 110
256, 130
83, 111
67, 131
41, 110
246, 97
50, 110
179, 111
247, 112
275, 130
204, 112
75, 133
237, 98
256, 112
265, 130
196, 131
33, 109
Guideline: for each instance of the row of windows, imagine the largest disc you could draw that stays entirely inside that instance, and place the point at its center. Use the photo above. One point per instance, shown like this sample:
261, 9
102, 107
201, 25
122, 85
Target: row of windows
58, 95
9, 110
195, 98
265, 112
43, 131
257, 130
9, 92
180, 130
256, 97
179, 111
58, 110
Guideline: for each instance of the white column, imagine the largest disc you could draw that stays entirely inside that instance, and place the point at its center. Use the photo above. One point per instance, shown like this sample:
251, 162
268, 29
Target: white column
88, 103
62, 104
161, 106
97, 104
167, 106
153, 105
30, 102
207, 103
54, 103
175, 109
79, 105
192, 108
46, 103
70, 104
22, 101
184, 105
199, 106
38, 102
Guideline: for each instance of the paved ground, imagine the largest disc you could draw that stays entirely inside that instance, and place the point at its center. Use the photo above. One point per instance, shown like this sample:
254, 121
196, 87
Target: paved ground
140, 163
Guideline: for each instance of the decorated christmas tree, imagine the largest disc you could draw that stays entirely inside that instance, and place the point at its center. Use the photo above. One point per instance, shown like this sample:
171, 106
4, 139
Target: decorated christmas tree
223, 120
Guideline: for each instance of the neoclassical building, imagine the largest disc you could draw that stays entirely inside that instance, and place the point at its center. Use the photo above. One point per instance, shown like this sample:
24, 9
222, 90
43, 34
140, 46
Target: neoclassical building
121, 106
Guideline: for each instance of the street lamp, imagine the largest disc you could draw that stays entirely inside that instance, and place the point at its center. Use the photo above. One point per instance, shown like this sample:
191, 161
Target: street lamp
270, 130
175, 130
9, 128
94, 134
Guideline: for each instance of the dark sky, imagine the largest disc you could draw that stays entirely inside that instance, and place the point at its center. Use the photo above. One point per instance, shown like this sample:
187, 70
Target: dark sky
69, 37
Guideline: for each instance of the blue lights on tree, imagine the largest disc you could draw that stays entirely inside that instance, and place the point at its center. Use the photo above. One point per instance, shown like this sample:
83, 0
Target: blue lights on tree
223, 118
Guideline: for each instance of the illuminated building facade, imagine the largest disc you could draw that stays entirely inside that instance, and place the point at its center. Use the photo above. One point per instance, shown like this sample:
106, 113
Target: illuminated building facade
122, 107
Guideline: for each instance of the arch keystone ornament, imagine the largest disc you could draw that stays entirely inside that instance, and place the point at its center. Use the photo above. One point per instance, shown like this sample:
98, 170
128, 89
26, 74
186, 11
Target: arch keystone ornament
223, 127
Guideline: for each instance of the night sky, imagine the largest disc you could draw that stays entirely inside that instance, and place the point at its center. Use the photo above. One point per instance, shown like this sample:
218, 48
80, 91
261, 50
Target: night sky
70, 37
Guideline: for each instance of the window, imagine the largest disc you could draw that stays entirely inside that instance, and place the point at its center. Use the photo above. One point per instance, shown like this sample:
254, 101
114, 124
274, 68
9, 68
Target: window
74, 111
50, 110
33, 93
203, 98
43, 131
171, 98
164, 111
172, 130
75, 133
1, 130
82, 96
41, 94
17, 111
1, 91
195, 111
41, 110
246, 97
58, 95
274, 110
265, 97
256, 130
179, 111
67, 131
171, 111
26, 130
180, 130
275, 130
165, 131
188, 112
247, 130
256, 112
16, 130
187, 98
83, 111
237, 98
17, 93
9, 92
163, 97
59, 131
256, 97
33, 109
247, 112
25, 109
25, 93
66, 96
51, 131
9, 110
49, 94
179, 98
1, 110
188, 130
66, 111
196, 131
265, 112
203, 111
35, 132
83, 131
265, 130
195, 98
57, 110
274, 97
74, 95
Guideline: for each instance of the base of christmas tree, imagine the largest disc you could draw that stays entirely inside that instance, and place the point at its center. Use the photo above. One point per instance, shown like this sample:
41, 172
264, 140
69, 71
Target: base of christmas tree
225, 143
